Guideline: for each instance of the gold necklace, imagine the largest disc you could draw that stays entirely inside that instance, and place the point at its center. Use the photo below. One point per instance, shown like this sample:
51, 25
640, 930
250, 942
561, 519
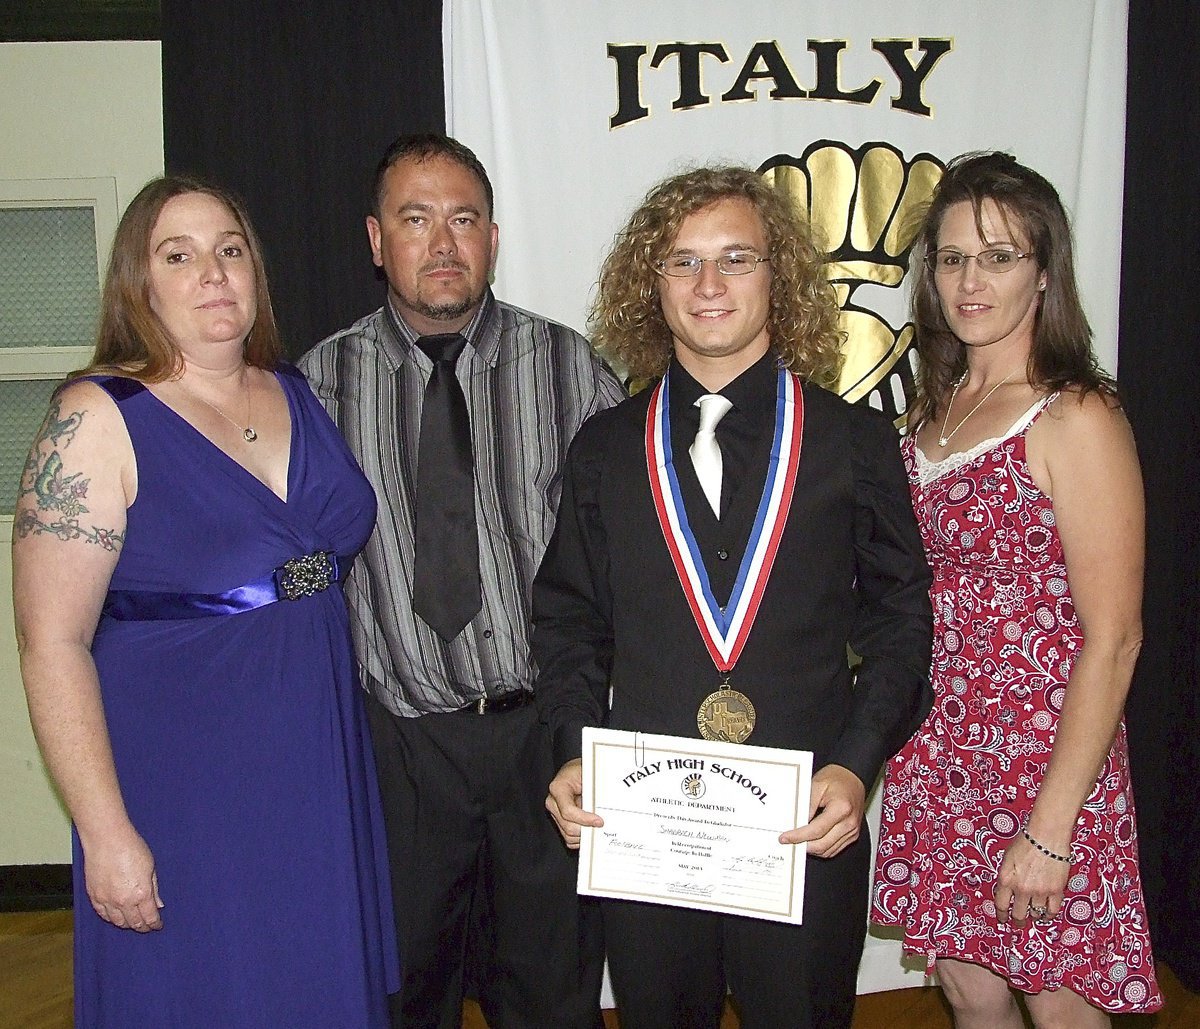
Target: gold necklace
944, 437
248, 433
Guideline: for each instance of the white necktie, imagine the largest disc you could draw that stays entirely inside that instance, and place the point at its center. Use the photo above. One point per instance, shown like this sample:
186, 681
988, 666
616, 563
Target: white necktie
706, 451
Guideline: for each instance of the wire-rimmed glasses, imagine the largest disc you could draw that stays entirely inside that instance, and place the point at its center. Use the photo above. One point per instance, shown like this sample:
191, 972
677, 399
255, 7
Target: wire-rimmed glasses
996, 260
686, 266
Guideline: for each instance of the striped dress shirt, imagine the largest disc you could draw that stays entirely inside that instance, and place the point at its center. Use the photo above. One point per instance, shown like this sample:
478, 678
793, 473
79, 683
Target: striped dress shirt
529, 383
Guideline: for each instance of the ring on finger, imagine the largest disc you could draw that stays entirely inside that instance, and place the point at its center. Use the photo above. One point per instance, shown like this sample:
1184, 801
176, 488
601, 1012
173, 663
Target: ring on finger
1038, 911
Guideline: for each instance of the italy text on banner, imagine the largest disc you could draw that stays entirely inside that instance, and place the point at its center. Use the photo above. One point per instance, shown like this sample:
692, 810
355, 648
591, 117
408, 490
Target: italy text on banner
577, 107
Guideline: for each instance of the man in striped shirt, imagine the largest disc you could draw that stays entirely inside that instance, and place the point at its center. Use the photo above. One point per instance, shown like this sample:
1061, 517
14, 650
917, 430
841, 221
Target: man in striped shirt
462, 758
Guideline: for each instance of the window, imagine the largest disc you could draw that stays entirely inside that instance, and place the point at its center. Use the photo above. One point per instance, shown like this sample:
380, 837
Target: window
54, 237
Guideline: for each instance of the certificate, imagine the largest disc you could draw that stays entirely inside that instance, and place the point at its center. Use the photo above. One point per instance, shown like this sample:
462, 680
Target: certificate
694, 823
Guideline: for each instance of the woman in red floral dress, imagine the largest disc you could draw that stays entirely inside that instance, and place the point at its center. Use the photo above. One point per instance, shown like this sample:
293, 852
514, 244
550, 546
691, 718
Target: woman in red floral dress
1008, 847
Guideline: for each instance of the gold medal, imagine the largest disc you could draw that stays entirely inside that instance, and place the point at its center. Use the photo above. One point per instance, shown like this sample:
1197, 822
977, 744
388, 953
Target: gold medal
726, 715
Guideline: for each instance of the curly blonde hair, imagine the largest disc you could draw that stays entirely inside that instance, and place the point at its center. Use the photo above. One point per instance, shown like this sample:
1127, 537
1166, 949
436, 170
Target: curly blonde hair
626, 318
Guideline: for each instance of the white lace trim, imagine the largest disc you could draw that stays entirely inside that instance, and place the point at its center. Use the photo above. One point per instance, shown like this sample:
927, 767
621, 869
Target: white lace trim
928, 471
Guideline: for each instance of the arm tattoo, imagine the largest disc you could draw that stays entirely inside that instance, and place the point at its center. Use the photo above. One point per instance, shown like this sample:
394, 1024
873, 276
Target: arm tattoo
57, 499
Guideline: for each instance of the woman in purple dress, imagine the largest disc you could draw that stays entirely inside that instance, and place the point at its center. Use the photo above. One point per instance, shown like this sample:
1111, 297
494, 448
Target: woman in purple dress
1008, 847
184, 518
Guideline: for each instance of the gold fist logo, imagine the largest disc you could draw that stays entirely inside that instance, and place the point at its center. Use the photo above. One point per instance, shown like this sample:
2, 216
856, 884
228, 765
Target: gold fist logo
866, 207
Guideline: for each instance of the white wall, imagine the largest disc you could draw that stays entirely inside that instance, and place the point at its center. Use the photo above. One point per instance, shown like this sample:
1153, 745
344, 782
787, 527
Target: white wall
67, 111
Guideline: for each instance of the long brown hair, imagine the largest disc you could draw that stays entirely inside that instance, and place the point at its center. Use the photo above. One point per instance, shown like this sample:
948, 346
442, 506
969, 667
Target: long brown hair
1061, 356
131, 340
627, 322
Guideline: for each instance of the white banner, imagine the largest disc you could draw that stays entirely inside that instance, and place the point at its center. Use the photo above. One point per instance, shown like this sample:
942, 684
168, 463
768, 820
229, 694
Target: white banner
576, 108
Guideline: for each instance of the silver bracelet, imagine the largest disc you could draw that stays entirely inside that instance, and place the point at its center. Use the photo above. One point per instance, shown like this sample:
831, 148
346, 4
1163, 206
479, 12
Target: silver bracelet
1045, 850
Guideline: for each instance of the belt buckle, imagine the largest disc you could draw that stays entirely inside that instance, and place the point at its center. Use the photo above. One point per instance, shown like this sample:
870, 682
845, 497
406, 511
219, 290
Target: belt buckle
497, 702
305, 576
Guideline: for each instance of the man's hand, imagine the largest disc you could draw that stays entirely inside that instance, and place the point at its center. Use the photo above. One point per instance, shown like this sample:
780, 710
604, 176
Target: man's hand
566, 791
835, 812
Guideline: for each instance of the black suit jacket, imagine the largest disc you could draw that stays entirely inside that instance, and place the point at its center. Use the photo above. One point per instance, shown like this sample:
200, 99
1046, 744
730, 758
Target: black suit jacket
850, 571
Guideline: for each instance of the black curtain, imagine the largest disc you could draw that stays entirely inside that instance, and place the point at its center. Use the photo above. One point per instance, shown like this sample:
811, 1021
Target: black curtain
1158, 361
290, 106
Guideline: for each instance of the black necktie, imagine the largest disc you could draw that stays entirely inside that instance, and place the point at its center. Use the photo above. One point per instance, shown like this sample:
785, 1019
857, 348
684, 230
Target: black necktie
446, 591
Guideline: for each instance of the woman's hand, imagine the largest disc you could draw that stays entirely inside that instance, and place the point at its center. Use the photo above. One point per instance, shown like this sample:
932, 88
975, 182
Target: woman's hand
1030, 884
69, 528
121, 882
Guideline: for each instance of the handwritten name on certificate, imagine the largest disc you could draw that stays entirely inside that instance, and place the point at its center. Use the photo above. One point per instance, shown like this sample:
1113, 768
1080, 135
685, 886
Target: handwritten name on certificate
694, 823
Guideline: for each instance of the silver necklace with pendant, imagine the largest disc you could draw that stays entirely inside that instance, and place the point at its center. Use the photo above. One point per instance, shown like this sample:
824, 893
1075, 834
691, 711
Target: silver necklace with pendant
944, 437
247, 431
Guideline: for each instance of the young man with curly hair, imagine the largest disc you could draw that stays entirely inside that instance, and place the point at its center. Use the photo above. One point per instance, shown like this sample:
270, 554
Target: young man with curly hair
716, 288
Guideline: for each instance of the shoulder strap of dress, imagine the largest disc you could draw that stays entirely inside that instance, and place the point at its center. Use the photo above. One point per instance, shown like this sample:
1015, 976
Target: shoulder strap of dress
119, 387
1035, 412
1030, 416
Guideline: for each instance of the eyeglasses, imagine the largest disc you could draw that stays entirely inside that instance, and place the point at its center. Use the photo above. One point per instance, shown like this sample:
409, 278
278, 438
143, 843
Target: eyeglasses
946, 261
686, 266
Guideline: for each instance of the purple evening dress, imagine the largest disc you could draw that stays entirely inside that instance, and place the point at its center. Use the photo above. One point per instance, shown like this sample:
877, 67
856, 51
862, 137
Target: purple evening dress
241, 746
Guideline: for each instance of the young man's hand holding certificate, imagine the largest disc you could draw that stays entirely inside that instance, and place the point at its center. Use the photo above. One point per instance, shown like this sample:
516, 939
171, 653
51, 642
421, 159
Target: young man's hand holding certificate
694, 823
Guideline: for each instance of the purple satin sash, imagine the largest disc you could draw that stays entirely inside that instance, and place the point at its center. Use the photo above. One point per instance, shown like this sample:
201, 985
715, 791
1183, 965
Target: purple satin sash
287, 582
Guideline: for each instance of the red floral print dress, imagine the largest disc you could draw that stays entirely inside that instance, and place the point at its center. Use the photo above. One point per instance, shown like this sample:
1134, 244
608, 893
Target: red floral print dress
1005, 639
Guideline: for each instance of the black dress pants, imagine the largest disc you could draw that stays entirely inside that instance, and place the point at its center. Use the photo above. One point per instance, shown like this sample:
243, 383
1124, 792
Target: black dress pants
671, 967
471, 843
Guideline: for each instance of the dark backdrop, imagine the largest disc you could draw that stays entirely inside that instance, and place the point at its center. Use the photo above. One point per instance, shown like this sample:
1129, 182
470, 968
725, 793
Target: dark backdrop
290, 105
1160, 320
292, 110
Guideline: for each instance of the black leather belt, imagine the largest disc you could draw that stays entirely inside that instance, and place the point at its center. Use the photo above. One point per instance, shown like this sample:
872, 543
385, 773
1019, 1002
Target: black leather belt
498, 703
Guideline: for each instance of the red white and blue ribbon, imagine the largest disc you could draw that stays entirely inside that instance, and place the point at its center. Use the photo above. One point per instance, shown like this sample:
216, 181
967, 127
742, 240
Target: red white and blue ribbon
725, 630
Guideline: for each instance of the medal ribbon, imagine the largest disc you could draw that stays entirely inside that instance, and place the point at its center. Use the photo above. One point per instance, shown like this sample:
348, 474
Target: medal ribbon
725, 631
